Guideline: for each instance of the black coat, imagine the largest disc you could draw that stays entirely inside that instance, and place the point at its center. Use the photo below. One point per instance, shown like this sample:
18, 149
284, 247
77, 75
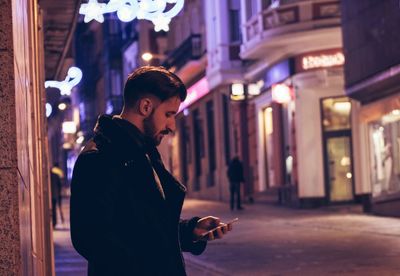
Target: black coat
119, 221
235, 171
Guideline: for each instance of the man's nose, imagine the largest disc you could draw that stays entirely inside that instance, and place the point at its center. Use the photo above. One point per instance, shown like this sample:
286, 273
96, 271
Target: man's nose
171, 125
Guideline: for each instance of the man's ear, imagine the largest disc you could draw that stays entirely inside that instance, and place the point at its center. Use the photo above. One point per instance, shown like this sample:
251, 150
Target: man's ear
145, 107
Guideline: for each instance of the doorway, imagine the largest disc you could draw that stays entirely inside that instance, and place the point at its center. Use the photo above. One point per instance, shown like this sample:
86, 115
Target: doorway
338, 158
339, 173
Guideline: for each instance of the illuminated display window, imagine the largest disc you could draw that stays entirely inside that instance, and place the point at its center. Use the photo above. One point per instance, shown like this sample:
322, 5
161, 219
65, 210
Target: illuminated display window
384, 140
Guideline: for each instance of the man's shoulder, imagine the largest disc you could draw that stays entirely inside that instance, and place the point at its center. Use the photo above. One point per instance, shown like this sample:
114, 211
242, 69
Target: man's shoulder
90, 153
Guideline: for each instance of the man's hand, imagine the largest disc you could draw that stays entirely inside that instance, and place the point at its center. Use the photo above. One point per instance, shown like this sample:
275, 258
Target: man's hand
208, 223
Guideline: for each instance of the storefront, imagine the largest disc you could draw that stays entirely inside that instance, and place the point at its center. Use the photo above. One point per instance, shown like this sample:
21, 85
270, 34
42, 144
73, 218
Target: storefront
304, 135
381, 123
201, 147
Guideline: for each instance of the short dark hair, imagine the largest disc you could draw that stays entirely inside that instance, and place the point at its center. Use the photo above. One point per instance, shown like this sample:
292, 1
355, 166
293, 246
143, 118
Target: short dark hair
153, 80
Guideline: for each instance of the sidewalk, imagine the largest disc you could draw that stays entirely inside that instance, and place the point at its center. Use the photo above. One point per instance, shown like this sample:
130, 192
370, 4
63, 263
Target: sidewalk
67, 261
272, 240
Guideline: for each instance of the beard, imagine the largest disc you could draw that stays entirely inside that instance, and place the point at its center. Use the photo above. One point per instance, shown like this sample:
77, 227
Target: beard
150, 131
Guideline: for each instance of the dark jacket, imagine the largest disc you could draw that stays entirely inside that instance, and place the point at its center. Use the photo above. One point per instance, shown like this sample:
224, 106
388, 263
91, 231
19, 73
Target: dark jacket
120, 222
235, 171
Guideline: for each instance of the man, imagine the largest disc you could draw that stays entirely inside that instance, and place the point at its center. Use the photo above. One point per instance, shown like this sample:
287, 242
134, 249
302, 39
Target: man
235, 176
125, 206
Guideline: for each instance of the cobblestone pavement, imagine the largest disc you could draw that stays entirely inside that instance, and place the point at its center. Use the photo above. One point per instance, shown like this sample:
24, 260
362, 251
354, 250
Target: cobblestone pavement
270, 240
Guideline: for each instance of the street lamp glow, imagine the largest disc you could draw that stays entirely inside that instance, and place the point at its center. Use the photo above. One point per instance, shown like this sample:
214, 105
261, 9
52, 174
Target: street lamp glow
49, 110
80, 140
62, 106
147, 56
69, 127
281, 93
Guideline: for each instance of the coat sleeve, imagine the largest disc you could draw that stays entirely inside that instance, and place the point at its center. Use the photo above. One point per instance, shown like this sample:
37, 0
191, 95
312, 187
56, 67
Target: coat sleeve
91, 211
186, 228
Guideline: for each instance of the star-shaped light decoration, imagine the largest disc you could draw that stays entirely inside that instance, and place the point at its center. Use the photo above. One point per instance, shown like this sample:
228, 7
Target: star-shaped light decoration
161, 23
93, 10
127, 10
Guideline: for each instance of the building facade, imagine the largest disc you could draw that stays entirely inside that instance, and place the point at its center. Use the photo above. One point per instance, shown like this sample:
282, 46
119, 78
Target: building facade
302, 146
26, 238
200, 50
372, 73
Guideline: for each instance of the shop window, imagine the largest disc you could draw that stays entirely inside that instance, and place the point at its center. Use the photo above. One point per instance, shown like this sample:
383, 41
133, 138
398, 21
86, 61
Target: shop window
336, 114
226, 123
384, 136
269, 146
338, 159
211, 136
198, 146
185, 150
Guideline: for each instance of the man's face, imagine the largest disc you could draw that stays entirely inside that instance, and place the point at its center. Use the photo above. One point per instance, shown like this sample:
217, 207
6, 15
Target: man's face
162, 120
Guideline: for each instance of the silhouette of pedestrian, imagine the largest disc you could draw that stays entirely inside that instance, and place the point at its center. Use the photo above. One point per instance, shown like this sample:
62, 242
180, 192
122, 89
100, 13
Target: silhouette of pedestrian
56, 175
235, 176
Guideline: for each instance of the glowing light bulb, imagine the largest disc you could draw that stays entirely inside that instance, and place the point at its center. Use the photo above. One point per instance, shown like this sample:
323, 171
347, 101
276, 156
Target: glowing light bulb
62, 106
49, 110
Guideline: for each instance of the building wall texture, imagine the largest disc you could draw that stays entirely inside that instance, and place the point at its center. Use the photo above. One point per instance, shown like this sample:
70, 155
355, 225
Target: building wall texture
25, 247
370, 37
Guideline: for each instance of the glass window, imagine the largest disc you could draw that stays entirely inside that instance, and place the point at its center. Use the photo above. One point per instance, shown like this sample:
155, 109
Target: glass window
226, 124
211, 136
384, 136
269, 146
234, 20
185, 150
198, 145
336, 114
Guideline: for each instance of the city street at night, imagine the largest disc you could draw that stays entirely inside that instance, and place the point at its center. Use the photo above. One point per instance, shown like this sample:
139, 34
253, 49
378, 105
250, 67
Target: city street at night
272, 240
278, 117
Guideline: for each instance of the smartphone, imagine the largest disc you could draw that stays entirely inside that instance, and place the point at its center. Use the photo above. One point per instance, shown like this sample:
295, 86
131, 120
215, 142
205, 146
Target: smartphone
214, 230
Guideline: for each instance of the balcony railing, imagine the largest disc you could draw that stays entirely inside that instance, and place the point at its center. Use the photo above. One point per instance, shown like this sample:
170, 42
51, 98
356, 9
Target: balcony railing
302, 15
190, 49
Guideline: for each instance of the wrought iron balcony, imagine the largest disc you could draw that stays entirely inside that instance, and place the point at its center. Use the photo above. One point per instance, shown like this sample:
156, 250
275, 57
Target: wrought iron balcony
271, 25
190, 49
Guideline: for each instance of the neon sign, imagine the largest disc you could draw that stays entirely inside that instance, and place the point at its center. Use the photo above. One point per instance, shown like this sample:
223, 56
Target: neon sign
127, 10
194, 93
74, 76
322, 61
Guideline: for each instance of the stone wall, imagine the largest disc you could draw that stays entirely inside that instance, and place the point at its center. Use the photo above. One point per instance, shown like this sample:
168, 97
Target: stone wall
25, 247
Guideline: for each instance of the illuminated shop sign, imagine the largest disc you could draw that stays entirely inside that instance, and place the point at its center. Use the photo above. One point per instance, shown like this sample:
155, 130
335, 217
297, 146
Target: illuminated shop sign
194, 93
282, 93
278, 72
320, 59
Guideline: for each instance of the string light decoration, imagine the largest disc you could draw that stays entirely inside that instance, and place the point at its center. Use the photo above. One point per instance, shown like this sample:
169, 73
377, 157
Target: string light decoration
74, 76
127, 10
